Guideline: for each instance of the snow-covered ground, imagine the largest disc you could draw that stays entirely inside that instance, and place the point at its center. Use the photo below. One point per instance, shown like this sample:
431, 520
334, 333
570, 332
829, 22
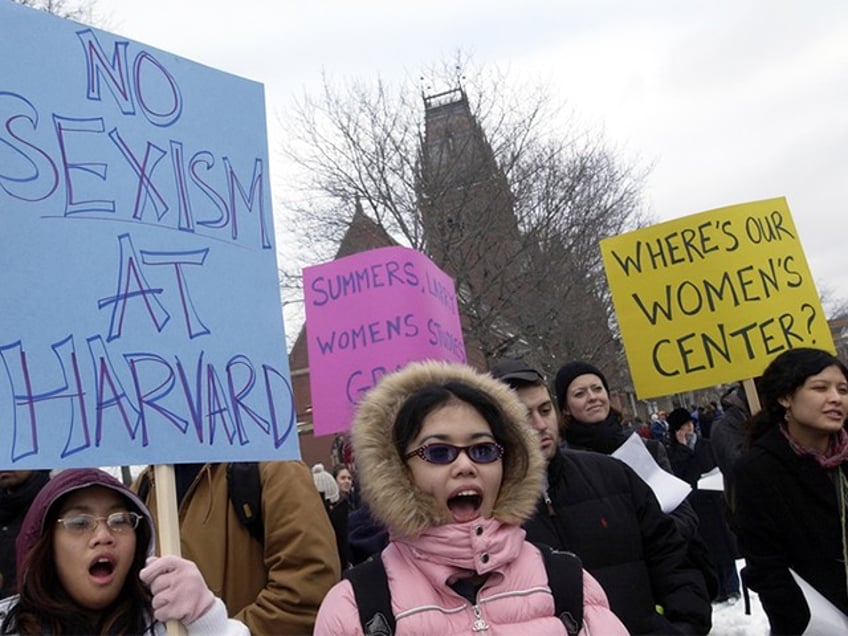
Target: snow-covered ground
731, 620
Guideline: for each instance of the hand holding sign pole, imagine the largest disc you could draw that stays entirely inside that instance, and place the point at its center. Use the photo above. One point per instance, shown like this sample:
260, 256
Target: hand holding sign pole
169, 523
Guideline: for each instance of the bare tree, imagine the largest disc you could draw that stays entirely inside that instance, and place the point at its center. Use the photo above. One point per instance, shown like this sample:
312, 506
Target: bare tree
498, 192
84, 11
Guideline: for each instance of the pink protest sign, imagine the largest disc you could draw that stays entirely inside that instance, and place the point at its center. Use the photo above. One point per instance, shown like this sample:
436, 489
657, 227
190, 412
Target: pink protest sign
367, 315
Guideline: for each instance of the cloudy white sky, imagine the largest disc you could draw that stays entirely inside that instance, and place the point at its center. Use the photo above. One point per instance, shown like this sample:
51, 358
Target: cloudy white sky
730, 100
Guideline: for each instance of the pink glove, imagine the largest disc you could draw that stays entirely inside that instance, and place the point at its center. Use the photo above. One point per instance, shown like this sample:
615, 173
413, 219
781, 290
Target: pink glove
179, 591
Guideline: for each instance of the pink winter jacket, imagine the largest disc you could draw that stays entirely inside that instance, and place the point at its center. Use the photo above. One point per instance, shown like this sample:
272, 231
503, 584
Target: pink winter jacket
515, 599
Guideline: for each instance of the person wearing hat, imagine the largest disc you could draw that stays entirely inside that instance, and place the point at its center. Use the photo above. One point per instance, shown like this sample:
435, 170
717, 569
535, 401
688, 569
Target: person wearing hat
590, 422
325, 483
448, 465
681, 431
86, 567
599, 508
691, 456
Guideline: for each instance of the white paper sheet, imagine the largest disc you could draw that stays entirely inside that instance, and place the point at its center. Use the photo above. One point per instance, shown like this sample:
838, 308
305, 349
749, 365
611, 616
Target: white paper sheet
668, 489
712, 480
825, 618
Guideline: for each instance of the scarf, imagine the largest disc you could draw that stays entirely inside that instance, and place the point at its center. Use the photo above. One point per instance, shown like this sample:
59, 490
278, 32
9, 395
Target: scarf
835, 455
602, 437
830, 460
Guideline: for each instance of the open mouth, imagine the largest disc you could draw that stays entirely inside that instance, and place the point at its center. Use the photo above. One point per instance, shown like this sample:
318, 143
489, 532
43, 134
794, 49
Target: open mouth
465, 505
102, 568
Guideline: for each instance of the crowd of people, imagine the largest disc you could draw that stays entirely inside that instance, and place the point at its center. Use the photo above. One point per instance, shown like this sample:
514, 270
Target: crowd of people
474, 501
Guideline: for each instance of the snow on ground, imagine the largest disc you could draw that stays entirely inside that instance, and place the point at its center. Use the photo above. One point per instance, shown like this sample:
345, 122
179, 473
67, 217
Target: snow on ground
731, 620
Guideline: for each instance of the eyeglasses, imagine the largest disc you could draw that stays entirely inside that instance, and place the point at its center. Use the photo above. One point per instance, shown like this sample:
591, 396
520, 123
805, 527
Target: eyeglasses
482, 453
117, 522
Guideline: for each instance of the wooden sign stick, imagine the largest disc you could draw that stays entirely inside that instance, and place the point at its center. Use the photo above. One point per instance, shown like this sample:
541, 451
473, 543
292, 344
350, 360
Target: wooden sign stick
169, 523
751, 395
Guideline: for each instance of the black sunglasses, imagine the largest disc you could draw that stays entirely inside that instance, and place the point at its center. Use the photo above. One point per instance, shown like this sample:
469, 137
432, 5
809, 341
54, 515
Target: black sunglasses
482, 453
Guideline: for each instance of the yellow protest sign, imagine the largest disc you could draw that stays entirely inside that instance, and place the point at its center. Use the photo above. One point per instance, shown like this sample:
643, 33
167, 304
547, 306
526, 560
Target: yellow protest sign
712, 297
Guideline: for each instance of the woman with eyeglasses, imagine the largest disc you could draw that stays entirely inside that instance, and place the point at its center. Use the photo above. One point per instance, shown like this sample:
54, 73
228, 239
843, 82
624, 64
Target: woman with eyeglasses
84, 551
449, 465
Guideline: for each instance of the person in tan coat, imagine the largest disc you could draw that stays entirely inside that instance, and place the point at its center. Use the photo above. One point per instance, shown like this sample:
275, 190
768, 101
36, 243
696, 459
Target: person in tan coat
274, 587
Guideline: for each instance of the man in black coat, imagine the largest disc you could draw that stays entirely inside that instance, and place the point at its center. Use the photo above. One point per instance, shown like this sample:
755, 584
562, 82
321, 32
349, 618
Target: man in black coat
17, 490
600, 509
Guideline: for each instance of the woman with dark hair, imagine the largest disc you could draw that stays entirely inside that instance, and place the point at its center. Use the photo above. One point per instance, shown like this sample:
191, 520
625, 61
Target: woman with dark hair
791, 487
449, 465
344, 480
85, 567
589, 422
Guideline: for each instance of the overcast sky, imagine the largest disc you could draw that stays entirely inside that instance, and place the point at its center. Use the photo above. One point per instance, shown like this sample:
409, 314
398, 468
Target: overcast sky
731, 100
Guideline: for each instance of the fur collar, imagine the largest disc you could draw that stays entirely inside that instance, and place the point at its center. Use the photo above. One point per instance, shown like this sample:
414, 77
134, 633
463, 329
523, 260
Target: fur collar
384, 477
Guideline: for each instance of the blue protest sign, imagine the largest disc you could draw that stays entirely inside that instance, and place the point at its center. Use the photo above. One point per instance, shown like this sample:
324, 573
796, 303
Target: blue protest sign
141, 318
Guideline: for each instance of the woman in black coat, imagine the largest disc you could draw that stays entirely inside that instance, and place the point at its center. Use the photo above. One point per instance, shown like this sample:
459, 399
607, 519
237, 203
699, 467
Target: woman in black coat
790, 506
590, 423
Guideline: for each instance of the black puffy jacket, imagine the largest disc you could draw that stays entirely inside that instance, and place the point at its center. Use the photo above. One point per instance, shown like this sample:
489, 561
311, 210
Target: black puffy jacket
599, 508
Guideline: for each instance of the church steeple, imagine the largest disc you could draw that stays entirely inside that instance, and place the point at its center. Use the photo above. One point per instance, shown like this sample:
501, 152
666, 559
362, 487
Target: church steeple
464, 197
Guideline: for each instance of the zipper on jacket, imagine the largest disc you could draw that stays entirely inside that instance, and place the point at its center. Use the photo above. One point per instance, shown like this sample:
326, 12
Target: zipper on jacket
550, 505
480, 624
552, 516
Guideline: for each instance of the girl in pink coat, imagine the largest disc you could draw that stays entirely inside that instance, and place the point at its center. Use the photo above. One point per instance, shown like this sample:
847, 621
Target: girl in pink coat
448, 463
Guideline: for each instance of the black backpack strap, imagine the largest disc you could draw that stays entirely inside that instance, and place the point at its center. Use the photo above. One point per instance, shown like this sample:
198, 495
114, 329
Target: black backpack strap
565, 578
373, 599
244, 489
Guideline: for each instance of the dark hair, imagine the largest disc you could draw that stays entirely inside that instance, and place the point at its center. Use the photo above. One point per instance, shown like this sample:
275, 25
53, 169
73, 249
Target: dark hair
420, 404
339, 468
45, 607
782, 377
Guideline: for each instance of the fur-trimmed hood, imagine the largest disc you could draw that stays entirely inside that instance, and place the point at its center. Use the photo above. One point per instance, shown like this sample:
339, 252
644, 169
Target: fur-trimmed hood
384, 476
